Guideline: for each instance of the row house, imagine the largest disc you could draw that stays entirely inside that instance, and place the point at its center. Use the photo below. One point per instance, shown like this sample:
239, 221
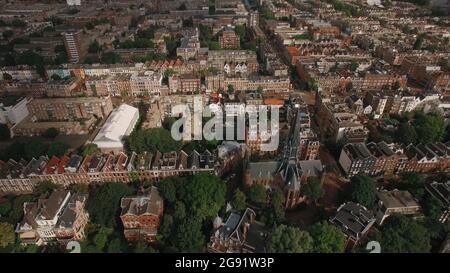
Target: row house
382, 81
35, 89
21, 73
64, 88
388, 159
219, 58
21, 176
338, 122
235, 68
146, 83
114, 85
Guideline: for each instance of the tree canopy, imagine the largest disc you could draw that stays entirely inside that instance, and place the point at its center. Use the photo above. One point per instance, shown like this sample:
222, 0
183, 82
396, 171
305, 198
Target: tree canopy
205, 195
5, 134
327, 238
7, 235
239, 200
286, 239
362, 190
257, 194
189, 237
429, 127
152, 140
91, 149
313, 189
104, 202
401, 234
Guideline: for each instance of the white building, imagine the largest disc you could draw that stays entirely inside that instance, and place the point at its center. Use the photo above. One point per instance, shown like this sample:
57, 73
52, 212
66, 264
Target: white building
119, 124
74, 2
146, 83
14, 111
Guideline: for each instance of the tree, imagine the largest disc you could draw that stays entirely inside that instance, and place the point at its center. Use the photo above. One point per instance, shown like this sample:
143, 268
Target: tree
94, 47
57, 149
7, 77
257, 194
396, 85
429, 127
34, 149
182, 6
205, 195
7, 236
419, 41
349, 87
230, 89
327, 238
91, 149
155, 139
116, 246
168, 122
51, 133
56, 77
5, 134
7, 34
239, 200
16, 213
5, 208
362, 190
44, 189
101, 238
313, 189
110, 58
142, 247
188, 236
353, 66
16, 22
412, 182
165, 230
401, 234
168, 188
260, 89
214, 45
406, 133
278, 205
179, 211
104, 202
286, 239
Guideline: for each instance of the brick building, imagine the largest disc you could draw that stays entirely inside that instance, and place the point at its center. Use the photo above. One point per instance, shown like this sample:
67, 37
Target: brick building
141, 215
229, 39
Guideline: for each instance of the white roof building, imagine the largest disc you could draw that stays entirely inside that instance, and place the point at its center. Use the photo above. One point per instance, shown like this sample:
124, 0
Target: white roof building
119, 124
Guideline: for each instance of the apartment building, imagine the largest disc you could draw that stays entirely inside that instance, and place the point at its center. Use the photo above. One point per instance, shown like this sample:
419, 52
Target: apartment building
383, 159
76, 45
65, 109
189, 83
229, 39
13, 110
145, 83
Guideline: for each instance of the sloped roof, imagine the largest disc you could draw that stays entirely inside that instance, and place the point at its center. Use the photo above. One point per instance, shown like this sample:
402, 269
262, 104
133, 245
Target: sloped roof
116, 126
